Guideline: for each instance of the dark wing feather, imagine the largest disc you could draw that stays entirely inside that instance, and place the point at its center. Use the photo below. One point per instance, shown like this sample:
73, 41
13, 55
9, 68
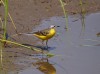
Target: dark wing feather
42, 32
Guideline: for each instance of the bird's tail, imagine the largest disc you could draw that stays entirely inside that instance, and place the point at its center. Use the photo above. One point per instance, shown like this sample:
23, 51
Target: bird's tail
29, 34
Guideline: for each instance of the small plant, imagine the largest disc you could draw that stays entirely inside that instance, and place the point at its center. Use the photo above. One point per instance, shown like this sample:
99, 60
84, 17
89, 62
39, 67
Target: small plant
65, 13
82, 13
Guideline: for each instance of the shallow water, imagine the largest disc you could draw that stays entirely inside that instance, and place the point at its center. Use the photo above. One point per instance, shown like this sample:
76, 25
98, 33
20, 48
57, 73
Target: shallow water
76, 52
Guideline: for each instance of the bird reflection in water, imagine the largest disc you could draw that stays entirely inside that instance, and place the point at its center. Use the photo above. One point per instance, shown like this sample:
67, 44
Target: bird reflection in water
45, 67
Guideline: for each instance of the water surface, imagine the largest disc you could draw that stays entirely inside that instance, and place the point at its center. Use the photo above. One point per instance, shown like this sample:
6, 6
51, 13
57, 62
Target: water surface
76, 52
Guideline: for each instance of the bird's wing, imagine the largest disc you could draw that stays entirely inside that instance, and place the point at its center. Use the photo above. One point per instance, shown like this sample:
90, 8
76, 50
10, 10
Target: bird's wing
43, 32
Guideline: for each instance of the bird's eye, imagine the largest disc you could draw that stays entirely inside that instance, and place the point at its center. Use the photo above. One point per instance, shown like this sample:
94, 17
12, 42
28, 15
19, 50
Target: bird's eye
54, 26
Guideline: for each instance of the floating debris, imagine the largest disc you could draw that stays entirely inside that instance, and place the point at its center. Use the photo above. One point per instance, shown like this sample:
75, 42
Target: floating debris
98, 34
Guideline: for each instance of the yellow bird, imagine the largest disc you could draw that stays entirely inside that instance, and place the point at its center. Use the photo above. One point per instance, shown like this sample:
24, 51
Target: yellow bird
45, 34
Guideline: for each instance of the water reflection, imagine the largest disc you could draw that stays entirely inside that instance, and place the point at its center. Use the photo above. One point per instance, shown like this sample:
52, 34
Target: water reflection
45, 48
45, 67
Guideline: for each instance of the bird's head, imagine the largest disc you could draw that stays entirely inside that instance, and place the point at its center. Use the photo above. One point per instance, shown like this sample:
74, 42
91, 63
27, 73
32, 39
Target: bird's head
52, 26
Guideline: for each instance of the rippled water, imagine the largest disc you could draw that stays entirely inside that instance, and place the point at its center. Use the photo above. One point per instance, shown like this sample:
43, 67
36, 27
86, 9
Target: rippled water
76, 52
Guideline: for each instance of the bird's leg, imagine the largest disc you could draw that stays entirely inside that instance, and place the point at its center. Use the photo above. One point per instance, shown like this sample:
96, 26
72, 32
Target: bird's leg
42, 45
42, 42
47, 43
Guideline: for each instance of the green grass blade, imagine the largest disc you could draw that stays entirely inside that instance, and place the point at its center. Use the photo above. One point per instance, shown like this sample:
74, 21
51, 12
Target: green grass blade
82, 15
10, 17
5, 22
7, 41
1, 58
65, 14
4, 35
1, 21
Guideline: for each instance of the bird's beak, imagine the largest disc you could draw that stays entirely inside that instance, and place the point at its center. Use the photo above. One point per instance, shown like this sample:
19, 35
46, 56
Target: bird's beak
58, 26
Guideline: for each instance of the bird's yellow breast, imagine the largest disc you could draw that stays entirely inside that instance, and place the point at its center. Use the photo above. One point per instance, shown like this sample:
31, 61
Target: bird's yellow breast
48, 36
51, 33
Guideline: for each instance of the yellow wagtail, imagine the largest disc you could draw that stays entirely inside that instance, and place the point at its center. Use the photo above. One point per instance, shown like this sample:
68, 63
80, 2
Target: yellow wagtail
45, 34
